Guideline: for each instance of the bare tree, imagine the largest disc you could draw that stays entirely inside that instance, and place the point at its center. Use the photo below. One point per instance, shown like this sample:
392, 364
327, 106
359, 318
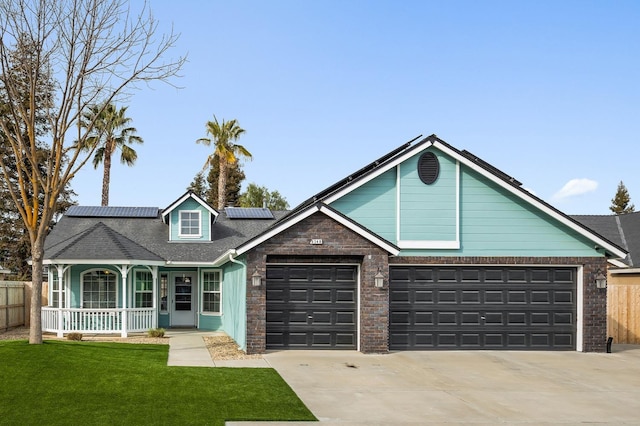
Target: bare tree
93, 52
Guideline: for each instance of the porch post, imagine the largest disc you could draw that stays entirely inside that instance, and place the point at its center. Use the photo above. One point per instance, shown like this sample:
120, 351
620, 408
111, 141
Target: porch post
124, 270
154, 295
61, 282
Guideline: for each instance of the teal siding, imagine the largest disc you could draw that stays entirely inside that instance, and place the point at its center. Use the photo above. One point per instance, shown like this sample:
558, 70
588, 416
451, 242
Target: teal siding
373, 205
428, 212
495, 222
233, 318
210, 322
492, 221
234, 307
205, 221
163, 321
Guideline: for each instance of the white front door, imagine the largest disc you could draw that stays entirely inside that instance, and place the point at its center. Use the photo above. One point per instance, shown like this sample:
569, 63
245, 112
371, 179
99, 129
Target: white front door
183, 306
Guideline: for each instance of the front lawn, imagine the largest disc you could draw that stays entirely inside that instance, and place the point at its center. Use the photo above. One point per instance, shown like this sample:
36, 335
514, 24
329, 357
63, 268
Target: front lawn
119, 383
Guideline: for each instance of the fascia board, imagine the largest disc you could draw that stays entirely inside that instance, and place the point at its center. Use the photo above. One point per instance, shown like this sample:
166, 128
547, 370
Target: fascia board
624, 271
529, 199
618, 263
183, 199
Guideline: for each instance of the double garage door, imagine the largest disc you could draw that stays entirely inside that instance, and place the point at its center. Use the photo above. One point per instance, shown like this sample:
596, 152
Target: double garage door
443, 307
482, 308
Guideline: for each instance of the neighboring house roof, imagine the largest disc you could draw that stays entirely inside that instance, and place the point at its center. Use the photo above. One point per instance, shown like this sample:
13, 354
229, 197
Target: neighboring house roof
123, 239
409, 149
623, 230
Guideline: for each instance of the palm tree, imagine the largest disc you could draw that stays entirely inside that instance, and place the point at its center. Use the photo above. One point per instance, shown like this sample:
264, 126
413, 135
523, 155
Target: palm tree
223, 136
110, 131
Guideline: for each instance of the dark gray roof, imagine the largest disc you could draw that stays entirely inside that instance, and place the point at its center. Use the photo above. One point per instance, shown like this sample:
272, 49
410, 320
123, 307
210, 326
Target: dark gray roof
623, 230
100, 242
142, 238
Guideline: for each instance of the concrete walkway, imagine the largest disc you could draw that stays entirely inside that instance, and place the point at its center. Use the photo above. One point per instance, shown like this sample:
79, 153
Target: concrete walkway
461, 387
187, 349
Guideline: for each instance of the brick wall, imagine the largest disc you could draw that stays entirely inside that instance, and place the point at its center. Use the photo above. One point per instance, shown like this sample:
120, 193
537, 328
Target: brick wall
594, 300
339, 245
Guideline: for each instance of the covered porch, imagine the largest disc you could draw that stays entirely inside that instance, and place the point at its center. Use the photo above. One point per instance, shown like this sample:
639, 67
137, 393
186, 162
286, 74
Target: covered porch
101, 299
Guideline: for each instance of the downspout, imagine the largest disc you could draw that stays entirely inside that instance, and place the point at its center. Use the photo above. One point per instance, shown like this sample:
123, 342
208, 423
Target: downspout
233, 259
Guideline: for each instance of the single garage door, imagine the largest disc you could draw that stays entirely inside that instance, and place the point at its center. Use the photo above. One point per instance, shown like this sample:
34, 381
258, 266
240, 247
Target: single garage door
482, 308
311, 306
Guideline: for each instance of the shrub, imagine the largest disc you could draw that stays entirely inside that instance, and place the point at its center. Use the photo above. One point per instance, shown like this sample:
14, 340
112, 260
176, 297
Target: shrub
74, 336
156, 332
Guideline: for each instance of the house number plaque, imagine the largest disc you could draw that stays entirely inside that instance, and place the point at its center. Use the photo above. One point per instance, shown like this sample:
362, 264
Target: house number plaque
316, 241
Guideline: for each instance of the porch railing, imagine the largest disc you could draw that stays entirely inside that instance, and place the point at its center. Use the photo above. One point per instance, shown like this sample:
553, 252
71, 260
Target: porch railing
104, 321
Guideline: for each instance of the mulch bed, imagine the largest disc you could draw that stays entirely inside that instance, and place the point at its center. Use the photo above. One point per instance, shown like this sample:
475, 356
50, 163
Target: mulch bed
220, 347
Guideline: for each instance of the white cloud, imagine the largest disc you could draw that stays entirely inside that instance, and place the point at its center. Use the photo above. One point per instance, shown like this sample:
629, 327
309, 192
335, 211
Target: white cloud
575, 187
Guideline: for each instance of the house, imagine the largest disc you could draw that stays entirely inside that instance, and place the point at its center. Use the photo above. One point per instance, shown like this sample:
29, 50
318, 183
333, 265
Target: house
623, 278
426, 248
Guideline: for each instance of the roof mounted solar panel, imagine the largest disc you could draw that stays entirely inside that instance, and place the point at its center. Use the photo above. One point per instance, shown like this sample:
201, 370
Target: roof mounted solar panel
248, 213
112, 211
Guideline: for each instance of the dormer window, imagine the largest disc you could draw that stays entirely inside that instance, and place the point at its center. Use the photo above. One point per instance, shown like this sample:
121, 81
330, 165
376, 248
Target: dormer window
190, 223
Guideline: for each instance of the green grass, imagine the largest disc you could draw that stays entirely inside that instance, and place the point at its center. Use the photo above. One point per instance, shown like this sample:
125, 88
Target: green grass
92, 383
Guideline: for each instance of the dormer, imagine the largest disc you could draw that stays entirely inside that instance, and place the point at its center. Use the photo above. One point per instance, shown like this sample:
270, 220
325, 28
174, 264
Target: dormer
189, 219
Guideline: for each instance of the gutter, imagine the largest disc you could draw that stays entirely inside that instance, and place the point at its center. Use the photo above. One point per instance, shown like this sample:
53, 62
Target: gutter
228, 256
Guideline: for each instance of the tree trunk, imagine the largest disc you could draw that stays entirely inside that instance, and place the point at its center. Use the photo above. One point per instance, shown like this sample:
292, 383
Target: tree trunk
35, 313
222, 184
106, 177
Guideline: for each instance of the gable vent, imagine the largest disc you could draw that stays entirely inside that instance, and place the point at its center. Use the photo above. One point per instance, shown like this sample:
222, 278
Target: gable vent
428, 168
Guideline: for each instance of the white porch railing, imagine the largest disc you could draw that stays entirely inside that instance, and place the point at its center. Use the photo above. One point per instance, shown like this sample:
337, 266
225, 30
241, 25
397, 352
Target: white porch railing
106, 321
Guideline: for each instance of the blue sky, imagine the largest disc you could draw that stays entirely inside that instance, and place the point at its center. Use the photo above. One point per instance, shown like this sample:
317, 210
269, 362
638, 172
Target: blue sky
546, 91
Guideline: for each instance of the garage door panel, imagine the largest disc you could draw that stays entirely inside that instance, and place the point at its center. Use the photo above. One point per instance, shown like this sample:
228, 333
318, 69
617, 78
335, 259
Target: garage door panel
311, 307
423, 296
345, 296
319, 296
470, 296
345, 318
447, 296
507, 308
471, 318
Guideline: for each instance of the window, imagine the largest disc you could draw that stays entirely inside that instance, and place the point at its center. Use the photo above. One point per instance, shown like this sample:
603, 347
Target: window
99, 290
190, 223
211, 292
54, 286
143, 289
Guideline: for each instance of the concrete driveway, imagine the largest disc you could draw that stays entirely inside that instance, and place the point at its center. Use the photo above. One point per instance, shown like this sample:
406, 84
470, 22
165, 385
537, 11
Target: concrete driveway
466, 386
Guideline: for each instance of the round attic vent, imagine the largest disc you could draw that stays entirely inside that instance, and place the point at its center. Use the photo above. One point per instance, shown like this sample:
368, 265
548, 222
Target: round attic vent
428, 168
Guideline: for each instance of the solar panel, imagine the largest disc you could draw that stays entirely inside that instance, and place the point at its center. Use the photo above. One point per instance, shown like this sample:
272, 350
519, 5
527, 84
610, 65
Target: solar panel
112, 211
248, 213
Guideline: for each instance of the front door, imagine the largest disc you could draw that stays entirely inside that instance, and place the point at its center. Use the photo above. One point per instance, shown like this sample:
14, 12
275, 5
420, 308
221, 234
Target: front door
183, 301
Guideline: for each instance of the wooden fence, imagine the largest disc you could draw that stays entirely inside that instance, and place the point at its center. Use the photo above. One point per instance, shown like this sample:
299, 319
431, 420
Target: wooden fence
12, 304
623, 308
